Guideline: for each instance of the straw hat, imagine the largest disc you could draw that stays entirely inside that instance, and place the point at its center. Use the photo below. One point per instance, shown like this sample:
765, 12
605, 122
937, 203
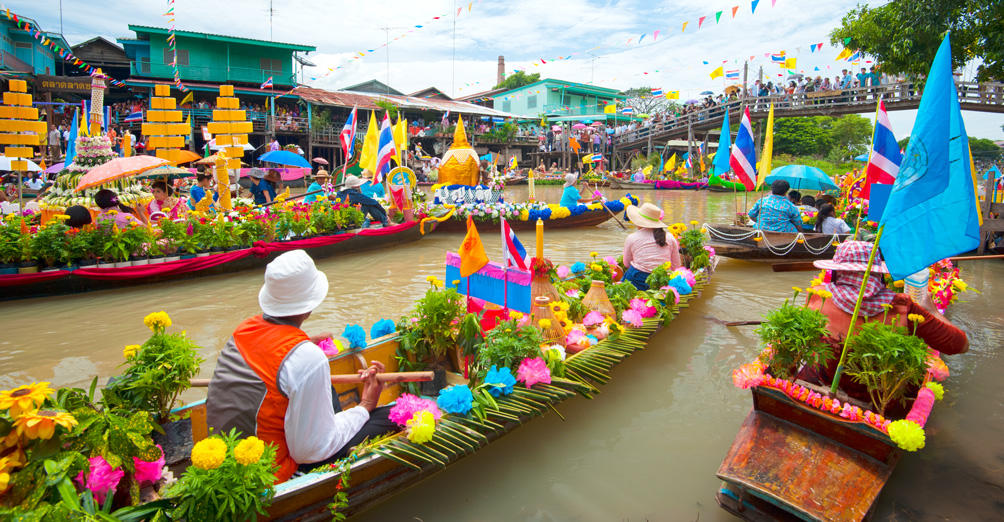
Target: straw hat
353, 181
321, 173
293, 285
852, 256
646, 216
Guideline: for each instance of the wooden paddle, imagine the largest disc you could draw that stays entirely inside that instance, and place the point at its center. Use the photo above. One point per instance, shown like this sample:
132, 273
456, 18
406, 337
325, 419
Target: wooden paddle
802, 266
596, 188
354, 378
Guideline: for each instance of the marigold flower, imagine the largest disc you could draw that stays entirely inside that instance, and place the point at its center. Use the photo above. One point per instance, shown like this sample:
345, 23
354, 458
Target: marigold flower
594, 254
693, 222
917, 318
595, 267
249, 450
41, 424
430, 279
800, 241
906, 434
797, 289
544, 323
825, 294
61, 217
209, 453
157, 321
130, 351
24, 398
899, 284
758, 239
421, 427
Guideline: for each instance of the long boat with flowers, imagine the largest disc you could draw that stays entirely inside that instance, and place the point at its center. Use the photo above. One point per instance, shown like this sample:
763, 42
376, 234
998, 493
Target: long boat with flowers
500, 367
524, 216
753, 244
807, 453
661, 184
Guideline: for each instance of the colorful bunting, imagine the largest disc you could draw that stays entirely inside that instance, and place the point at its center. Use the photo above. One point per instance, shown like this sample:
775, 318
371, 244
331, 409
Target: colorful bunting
753, 6
718, 17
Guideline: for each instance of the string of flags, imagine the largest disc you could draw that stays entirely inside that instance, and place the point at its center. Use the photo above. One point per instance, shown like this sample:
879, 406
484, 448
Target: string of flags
172, 44
65, 54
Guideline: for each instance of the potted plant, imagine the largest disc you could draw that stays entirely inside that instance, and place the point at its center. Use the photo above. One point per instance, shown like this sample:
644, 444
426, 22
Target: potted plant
888, 361
51, 244
506, 345
29, 264
429, 335
10, 247
795, 335
81, 246
172, 237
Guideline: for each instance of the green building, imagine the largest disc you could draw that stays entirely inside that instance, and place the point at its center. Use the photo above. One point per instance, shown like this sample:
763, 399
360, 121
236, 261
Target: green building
558, 100
212, 58
20, 52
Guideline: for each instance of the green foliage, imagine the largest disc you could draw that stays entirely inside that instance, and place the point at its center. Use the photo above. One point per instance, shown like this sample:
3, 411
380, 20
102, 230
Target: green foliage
231, 492
470, 337
796, 335
620, 295
508, 344
836, 138
984, 149
641, 161
157, 373
887, 360
904, 35
659, 277
505, 132
518, 79
850, 135
11, 248
52, 244
388, 106
433, 333
118, 243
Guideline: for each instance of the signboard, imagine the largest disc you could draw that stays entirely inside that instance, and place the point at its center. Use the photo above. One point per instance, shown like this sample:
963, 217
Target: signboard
81, 84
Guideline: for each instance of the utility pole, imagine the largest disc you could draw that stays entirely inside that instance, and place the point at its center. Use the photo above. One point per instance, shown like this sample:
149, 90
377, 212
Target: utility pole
746, 70
270, 13
386, 50
592, 67
453, 77
690, 145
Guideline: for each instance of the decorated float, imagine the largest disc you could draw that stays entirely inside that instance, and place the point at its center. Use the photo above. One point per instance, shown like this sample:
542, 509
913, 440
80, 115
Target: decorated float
494, 369
661, 184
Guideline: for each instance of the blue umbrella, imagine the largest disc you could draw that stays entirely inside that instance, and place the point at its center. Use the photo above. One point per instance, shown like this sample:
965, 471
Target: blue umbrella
862, 157
802, 177
706, 93
285, 157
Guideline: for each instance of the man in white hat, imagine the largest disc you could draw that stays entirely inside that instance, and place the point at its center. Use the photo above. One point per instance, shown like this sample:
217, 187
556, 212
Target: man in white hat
274, 382
353, 196
570, 196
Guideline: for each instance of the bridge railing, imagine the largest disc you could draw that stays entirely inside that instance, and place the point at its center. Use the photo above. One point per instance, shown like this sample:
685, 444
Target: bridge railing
841, 101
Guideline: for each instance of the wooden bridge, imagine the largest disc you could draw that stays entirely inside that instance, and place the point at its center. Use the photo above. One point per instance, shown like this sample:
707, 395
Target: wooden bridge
983, 97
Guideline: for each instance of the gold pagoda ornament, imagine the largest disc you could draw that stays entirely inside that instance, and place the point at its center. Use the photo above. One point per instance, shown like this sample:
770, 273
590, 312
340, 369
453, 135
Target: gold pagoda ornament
459, 165
230, 128
164, 131
19, 128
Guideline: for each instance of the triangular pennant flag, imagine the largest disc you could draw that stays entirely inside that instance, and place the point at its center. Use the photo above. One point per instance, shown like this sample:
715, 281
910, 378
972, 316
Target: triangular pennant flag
700, 21
753, 5
718, 17
734, 9
684, 27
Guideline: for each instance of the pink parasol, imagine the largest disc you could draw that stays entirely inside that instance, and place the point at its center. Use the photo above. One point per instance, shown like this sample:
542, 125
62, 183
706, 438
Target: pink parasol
119, 168
320, 161
579, 126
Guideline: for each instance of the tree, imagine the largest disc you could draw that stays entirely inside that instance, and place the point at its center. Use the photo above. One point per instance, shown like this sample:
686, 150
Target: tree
518, 79
850, 136
644, 103
802, 136
904, 35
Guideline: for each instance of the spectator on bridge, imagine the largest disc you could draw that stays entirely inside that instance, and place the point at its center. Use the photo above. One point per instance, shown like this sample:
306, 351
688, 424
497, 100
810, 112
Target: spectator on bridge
774, 212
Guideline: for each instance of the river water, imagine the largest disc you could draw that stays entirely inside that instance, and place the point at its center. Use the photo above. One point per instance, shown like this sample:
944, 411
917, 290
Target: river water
646, 448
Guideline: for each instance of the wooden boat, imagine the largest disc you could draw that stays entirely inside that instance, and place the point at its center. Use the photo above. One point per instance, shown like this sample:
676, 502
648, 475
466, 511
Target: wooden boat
716, 184
739, 242
382, 473
793, 462
630, 185
589, 218
662, 184
20, 286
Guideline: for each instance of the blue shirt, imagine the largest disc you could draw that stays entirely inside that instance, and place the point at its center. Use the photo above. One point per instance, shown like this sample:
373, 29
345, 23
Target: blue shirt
258, 191
197, 194
314, 187
776, 214
371, 190
570, 197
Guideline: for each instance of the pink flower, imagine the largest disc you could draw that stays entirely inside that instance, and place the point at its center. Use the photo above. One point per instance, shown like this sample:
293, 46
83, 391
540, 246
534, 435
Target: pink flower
642, 307
748, 375
611, 261
563, 272
574, 337
532, 371
149, 472
328, 346
101, 478
676, 293
572, 292
710, 250
406, 406
593, 318
921, 407
631, 317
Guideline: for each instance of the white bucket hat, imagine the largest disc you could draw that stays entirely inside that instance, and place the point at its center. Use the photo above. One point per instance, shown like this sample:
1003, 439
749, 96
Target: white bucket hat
353, 181
570, 179
293, 285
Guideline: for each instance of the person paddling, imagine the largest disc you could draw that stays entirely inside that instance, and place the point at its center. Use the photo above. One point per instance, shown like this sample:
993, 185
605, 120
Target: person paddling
273, 381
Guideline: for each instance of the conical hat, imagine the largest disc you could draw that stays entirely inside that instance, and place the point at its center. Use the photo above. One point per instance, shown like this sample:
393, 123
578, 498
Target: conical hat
460, 136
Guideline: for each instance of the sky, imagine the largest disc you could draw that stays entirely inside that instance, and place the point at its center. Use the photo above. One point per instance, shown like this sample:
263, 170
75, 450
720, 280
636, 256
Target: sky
588, 41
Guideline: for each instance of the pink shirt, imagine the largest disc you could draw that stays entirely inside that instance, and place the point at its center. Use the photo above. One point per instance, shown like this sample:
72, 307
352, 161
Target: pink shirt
642, 252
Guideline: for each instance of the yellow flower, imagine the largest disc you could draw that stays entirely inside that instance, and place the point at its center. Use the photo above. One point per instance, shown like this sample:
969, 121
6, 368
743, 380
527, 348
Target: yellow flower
513, 314
421, 427
836, 243
130, 351
907, 434
898, 284
157, 321
704, 230
544, 323
41, 424
960, 285
24, 398
800, 241
887, 307
456, 282
825, 294
693, 222
430, 279
915, 318
594, 254
758, 239
249, 450
4, 480
61, 217
797, 289
209, 453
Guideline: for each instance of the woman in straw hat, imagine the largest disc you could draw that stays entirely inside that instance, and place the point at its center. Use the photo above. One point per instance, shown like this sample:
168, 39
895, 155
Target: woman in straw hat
320, 179
847, 270
649, 247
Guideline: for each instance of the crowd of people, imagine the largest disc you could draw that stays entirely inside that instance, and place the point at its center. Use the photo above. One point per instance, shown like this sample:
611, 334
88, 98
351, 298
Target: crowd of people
785, 210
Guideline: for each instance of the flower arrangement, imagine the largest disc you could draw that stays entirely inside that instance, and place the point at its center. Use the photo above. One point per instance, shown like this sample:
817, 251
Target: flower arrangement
485, 211
795, 335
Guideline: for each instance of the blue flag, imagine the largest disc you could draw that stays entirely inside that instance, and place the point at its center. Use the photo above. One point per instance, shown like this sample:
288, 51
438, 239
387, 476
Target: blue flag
932, 210
724, 144
71, 143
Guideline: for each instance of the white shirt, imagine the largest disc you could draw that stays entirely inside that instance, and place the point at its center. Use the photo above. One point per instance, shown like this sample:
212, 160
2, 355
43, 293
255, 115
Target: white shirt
35, 184
314, 432
832, 225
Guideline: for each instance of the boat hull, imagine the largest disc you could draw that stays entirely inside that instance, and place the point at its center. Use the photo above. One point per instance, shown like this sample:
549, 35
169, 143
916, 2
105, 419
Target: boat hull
590, 218
773, 247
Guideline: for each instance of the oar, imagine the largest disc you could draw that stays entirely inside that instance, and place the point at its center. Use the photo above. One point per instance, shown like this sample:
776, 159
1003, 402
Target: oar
802, 266
354, 378
596, 188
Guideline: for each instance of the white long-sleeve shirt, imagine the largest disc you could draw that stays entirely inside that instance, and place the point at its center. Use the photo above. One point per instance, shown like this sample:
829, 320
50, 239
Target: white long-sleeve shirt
314, 432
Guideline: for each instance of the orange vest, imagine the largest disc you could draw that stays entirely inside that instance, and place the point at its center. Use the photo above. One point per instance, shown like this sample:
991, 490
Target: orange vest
264, 346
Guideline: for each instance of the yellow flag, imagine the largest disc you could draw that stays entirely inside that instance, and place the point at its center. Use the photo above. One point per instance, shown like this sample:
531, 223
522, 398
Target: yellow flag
846, 53
768, 149
789, 63
673, 95
189, 98
82, 131
610, 109
647, 170
976, 192
670, 165
472, 251
717, 73
368, 156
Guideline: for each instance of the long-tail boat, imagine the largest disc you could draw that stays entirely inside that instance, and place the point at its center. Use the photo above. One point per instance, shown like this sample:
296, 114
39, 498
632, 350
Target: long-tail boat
717, 184
394, 463
662, 184
589, 215
750, 244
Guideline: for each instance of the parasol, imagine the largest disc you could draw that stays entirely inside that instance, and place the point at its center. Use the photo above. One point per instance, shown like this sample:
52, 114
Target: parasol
691, 102
284, 157
320, 161
597, 124
579, 126
802, 177
5, 164
165, 172
55, 168
119, 168
211, 160
187, 156
706, 93
731, 88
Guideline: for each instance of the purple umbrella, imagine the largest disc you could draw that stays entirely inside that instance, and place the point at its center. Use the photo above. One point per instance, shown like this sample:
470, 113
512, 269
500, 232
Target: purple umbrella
55, 168
691, 102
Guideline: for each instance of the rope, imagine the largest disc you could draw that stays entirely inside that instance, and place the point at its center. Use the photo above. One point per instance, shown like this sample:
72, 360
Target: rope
776, 249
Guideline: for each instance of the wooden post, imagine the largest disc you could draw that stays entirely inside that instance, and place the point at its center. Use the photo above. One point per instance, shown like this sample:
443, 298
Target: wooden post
690, 145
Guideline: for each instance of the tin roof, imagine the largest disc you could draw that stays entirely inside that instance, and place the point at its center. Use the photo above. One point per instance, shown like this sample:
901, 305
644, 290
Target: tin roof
139, 29
368, 101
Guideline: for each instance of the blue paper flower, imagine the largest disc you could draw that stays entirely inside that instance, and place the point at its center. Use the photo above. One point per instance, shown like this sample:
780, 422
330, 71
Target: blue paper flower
500, 381
382, 328
680, 284
455, 399
578, 268
355, 335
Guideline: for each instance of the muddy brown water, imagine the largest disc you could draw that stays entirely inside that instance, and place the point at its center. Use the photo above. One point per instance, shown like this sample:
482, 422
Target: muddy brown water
646, 448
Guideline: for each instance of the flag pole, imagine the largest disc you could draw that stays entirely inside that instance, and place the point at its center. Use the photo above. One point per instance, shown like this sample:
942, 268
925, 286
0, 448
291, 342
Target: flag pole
854, 315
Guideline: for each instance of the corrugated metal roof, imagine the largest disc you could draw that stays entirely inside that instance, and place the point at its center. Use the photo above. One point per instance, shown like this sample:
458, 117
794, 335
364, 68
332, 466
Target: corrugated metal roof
222, 38
368, 101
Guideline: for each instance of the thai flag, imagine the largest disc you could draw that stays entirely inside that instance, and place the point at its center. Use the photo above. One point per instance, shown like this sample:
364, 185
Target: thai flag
687, 163
656, 92
512, 163
134, 116
732, 75
348, 135
512, 249
267, 84
627, 110
386, 151
596, 158
446, 119
886, 157
743, 158
777, 57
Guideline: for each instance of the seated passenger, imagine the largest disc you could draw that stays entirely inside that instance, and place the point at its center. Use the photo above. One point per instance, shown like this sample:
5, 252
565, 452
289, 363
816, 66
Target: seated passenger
370, 207
570, 196
649, 247
774, 212
111, 209
827, 223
